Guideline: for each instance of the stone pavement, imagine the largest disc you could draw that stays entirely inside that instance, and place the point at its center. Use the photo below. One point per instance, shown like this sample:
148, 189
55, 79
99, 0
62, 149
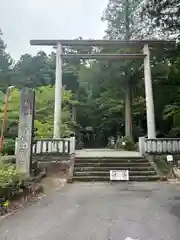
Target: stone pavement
106, 153
100, 211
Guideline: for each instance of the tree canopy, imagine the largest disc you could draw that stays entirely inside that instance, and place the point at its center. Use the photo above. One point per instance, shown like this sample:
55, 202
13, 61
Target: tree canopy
97, 88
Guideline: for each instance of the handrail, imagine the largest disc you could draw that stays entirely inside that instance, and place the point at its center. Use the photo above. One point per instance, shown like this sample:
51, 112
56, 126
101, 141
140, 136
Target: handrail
60, 146
159, 145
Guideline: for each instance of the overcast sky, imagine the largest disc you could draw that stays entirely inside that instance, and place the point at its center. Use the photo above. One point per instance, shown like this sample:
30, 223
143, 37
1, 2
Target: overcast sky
22, 20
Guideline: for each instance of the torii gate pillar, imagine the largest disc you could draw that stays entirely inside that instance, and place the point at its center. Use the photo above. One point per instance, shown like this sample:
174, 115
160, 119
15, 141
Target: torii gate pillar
151, 132
58, 93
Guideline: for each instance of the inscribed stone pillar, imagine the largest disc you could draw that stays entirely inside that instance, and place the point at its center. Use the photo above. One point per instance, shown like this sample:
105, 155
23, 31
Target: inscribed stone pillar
24, 141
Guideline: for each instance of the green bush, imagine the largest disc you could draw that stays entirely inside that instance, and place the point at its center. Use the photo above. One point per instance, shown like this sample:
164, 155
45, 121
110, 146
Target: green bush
8, 146
125, 143
10, 180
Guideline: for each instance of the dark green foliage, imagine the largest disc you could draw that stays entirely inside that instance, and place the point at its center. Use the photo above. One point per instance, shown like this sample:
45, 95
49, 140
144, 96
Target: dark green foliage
8, 146
5, 66
100, 86
164, 16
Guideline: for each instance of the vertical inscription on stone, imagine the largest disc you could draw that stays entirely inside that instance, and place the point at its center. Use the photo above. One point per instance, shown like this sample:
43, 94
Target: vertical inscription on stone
23, 155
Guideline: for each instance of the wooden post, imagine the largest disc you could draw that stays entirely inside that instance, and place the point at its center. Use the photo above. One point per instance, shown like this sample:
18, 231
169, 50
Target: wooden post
24, 141
128, 111
128, 95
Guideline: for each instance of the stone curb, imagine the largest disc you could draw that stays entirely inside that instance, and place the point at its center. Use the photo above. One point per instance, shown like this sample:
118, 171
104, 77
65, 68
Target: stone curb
176, 172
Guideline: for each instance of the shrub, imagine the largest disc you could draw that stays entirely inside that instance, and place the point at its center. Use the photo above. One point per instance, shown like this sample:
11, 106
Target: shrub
10, 180
8, 146
125, 143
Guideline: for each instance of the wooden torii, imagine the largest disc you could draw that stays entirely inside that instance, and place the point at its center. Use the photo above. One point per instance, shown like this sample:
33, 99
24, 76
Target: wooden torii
143, 47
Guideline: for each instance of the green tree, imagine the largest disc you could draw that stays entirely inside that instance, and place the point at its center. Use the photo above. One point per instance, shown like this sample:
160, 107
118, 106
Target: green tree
164, 16
115, 16
44, 112
34, 71
5, 66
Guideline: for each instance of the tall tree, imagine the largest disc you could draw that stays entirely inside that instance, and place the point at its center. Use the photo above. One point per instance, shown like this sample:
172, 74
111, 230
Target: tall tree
115, 16
164, 15
123, 17
34, 71
5, 66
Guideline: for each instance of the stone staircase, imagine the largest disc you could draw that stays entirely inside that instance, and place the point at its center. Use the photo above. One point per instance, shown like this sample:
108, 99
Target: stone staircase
97, 169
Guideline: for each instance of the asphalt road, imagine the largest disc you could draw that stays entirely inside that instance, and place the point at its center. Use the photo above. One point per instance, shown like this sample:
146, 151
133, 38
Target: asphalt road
100, 211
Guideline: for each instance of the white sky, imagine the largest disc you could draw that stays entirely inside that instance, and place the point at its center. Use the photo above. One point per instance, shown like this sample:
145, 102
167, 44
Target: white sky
22, 20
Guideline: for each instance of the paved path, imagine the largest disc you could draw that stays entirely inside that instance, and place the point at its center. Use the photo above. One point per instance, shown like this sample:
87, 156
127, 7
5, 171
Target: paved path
100, 211
105, 153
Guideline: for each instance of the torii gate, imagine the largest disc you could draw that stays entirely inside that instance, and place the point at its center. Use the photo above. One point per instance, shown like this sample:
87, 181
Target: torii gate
144, 54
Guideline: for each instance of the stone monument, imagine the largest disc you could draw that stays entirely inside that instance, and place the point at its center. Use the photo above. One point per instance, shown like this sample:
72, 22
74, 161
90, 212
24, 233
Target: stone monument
26, 124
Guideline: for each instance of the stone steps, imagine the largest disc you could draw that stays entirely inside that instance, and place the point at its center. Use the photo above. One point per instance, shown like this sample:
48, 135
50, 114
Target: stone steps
112, 164
106, 173
106, 178
111, 160
98, 169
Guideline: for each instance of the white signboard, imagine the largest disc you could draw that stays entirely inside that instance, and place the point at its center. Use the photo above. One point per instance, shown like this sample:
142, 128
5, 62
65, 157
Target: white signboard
119, 175
169, 158
128, 238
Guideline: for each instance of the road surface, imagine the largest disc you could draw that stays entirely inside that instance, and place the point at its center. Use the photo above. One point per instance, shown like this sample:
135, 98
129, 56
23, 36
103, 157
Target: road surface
100, 211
